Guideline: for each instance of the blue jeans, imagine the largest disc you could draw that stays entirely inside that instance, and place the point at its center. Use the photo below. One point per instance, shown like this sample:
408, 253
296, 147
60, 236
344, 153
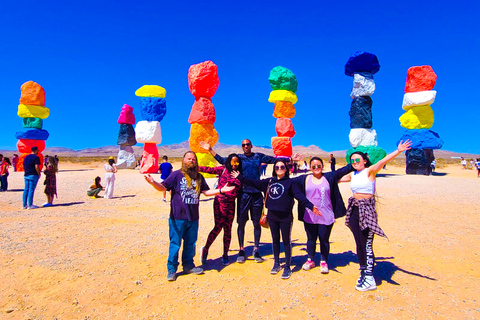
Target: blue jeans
178, 230
4, 182
29, 191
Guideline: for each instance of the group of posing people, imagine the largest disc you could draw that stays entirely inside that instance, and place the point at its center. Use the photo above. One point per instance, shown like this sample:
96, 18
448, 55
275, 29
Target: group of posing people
319, 204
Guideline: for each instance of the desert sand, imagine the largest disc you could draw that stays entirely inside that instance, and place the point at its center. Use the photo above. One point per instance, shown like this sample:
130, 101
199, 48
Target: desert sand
106, 259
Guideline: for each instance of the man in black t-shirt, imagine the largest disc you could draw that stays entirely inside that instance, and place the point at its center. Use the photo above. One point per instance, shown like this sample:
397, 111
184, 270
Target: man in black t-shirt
332, 162
31, 165
186, 186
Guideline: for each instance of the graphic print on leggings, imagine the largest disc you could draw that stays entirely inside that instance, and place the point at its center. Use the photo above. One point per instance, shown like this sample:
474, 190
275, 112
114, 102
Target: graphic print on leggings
276, 190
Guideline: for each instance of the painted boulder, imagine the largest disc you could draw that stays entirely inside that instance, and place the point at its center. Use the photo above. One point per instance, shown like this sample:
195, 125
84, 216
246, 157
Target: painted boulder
375, 154
36, 123
284, 128
126, 115
152, 91
203, 111
420, 117
422, 139
202, 132
25, 145
32, 134
362, 61
420, 78
126, 158
153, 109
283, 95
420, 98
284, 109
149, 159
361, 113
283, 79
419, 160
31, 111
203, 79
363, 85
282, 146
363, 137
148, 132
126, 135
32, 94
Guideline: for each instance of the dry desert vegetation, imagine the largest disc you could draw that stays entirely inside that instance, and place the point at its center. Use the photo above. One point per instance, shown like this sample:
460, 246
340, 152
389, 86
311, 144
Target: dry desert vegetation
106, 259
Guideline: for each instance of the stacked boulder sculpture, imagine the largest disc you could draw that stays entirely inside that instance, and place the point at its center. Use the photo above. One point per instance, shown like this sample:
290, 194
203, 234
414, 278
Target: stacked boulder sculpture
362, 66
203, 84
126, 139
148, 131
32, 110
284, 85
418, 119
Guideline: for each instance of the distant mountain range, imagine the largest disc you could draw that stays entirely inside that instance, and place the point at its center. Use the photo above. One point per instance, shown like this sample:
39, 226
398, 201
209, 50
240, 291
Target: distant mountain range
179, 149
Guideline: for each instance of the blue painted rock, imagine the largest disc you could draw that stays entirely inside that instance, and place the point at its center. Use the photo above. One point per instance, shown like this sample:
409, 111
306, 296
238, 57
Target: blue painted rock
126, 135
361, 113
36, 123
363, 85
283, 79
419, 160
362, 61
375, 154
32, 134
422, 139
153, 109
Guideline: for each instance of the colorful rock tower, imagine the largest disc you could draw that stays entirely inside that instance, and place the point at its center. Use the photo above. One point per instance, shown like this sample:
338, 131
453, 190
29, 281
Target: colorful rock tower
126, 139
362, 66
203, 84
418, 119
32, 110
284, 85
148, 131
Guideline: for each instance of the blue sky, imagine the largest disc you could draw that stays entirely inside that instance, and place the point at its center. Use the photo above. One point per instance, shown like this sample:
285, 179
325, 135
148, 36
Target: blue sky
91, 56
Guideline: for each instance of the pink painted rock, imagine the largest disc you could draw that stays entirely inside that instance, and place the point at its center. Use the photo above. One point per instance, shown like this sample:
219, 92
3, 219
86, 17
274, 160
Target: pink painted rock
203, 79
421, 78
126, 115
282, 146
203, 111
149, 159
285, 128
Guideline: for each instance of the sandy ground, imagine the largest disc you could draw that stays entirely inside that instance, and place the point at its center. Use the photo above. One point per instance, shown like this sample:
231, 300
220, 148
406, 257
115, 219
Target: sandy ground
106, 259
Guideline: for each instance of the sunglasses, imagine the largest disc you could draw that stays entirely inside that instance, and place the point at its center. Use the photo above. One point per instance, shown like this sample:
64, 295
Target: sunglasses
246, 144
357, 160
317, 167
234, 163
279, 167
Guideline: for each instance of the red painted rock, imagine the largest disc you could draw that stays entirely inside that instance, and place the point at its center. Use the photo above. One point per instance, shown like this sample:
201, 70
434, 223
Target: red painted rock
203, 79
126, 115
32, 94
22, 157
202, 132
420, 78
25, 145
284, 109
282, 146
149, 159
203, 111
285, 128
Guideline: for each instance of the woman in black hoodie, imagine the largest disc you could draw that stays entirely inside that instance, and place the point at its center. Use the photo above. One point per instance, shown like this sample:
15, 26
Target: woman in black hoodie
280, 191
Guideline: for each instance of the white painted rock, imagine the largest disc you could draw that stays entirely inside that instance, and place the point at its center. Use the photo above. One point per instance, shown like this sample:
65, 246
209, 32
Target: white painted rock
363, 85
148, 132
363, 137
126, 158
420, 98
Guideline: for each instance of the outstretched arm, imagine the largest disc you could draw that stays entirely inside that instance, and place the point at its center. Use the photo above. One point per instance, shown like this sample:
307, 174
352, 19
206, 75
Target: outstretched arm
226, 188
402, 146
206, 146
153, 183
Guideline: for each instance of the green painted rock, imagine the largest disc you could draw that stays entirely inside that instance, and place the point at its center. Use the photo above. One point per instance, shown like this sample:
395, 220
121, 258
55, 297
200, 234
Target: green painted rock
375, 154
283, 79
36, 123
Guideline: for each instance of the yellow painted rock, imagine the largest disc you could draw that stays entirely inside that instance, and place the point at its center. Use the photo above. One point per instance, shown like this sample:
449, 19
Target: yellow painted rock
202, 132
29, 111
284, 109
152, 91
283, 95
420, 117
206, 160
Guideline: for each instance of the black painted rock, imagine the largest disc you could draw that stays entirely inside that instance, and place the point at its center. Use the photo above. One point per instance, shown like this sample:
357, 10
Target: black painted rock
419, 160
361, 113
126, 135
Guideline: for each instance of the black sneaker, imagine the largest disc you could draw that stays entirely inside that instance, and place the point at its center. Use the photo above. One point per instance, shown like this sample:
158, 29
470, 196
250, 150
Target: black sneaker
171, 276
276, 269
256, 255
241, 256
286, 273
194, 270
225, 261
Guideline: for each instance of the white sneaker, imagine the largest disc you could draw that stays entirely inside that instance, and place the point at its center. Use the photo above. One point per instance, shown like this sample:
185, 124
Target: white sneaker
32, 207
323, 267
367, 284
164, 200
308, 265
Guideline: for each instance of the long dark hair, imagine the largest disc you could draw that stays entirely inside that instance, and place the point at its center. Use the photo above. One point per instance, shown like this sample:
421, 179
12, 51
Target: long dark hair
97, 182
228, 165
287, 168
364, 157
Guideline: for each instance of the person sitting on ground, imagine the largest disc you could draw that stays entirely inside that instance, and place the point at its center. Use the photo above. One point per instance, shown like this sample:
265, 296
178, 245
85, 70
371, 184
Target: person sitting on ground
95, 189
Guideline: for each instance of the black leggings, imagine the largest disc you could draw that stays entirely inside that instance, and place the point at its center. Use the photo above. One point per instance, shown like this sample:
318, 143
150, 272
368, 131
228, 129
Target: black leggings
321, 232
253, 203
285, 228
364, 241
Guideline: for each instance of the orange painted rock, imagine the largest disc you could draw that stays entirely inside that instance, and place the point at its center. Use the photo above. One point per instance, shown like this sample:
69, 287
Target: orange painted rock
285, 128
25, 145
202, 132
420, 78
203, 111
149, 159
32, 94
22, 157
284, 109
282, 146
203, 79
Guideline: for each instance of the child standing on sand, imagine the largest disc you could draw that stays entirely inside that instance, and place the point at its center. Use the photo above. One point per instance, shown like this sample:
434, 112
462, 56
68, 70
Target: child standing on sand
50, 180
